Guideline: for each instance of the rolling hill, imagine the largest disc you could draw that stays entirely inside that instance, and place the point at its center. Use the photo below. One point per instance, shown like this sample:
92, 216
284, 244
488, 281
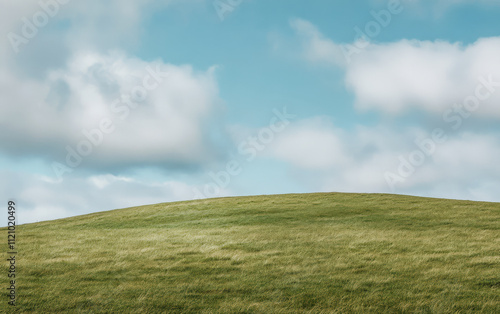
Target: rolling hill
314, 253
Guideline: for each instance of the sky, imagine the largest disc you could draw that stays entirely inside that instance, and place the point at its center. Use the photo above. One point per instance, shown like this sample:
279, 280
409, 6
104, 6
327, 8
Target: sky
110, 104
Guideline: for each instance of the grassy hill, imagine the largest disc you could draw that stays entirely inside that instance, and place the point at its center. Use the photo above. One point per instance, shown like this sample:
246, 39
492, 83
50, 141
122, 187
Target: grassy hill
311, 253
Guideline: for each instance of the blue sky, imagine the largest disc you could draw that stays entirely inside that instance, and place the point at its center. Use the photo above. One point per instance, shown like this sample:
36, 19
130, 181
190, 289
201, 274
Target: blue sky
107, 104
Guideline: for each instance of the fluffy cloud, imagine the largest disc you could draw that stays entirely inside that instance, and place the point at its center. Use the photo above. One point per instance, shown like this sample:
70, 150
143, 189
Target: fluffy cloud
461, 166
311, 144
450, 81
95, 23
41, 35
155, 113
430, 76
62, 89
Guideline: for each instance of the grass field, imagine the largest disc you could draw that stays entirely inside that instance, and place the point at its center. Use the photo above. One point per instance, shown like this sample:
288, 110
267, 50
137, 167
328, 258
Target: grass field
313, 253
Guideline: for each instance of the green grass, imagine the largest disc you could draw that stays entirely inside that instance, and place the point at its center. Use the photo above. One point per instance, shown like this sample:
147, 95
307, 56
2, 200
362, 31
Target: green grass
313, 253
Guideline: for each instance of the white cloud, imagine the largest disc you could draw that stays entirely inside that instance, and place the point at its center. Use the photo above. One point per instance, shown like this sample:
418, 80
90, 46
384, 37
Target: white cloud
169, 127
60, 84
395, 77
330, 159
93, 24
311, 144
431, 76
